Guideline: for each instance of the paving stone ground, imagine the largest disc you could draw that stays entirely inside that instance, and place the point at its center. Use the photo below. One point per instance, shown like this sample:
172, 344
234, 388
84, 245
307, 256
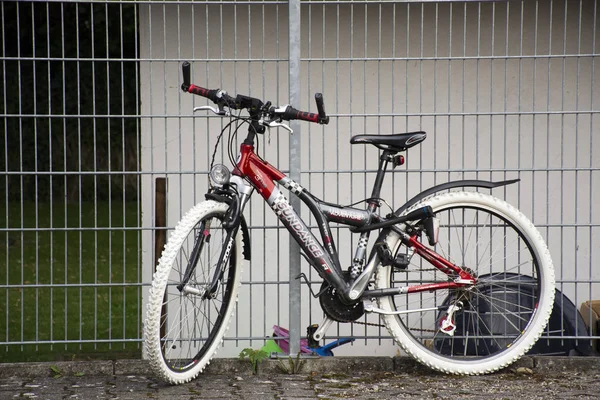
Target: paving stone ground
363, 385
357, 379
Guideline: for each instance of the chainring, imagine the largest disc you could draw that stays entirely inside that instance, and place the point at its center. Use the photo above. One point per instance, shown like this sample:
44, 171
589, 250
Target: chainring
335, 309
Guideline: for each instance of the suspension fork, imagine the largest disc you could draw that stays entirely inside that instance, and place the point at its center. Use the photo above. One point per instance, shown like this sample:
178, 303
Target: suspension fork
203, 237
211, 289
232, 226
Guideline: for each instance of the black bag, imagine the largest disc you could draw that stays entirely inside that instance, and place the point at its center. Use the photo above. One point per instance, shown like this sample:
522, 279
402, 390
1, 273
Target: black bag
565, 320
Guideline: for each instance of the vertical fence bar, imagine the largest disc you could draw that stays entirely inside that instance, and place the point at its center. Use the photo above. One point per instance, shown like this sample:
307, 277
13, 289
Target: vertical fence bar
294, 27
576, 202
123, 179
591, 158
279, 231
20, 99
35, 169
138, 178
64, 160
50, 168
6, 241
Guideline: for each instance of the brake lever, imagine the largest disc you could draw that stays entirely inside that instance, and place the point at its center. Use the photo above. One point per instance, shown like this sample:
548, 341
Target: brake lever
275, 124
214, 110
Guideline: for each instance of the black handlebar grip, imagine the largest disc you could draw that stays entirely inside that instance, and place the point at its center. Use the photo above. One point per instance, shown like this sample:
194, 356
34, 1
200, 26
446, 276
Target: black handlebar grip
291, 113
185, 68
323, 119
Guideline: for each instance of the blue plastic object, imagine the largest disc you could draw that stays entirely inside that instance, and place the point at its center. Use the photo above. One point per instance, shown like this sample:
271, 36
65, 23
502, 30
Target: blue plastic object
326, 350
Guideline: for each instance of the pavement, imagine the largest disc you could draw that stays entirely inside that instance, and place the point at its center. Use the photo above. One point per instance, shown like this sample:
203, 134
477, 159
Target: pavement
316, 378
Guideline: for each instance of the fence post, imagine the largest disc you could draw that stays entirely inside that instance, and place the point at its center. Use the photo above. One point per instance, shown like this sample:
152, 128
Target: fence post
295, 315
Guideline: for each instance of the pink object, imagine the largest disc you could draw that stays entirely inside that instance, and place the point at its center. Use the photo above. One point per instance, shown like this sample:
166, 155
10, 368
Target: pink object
284, 342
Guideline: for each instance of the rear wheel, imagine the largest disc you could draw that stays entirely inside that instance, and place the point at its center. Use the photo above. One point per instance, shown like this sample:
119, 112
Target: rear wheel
495, 321
184, 328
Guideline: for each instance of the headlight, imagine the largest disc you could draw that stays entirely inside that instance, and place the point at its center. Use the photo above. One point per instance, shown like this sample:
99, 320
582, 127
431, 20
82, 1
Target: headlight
220, 175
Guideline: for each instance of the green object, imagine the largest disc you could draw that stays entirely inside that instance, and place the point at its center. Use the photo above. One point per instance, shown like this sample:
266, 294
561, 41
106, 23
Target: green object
254, 356
272, 347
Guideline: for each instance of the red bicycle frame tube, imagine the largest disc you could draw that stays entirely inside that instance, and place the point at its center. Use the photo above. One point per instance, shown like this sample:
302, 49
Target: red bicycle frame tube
261, 173
440, 263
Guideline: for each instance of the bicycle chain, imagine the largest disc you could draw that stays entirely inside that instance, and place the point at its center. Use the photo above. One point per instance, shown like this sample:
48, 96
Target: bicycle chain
368, 323
382, 325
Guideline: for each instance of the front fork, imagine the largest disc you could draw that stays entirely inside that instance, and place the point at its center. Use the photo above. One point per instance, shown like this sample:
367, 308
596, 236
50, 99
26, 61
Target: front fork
203, 237
231, 224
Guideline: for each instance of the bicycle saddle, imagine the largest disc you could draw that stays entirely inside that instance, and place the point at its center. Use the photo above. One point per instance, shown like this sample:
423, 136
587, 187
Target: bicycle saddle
395, 142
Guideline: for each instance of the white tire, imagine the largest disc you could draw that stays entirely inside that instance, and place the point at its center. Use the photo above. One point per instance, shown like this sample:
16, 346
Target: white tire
502, 316
182, 332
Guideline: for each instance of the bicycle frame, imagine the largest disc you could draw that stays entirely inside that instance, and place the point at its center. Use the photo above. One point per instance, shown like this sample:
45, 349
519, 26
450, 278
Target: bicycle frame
325, 259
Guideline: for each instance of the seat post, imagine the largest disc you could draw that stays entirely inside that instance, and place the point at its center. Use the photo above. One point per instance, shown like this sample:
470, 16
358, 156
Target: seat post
383, 163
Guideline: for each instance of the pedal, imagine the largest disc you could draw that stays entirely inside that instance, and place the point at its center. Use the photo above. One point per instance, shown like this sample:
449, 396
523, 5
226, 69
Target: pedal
310, 331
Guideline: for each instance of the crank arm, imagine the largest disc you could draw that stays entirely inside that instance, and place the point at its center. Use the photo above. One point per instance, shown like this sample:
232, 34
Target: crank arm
320, 332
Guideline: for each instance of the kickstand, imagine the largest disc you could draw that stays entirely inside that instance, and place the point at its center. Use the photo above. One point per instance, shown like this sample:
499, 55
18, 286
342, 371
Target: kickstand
305, 278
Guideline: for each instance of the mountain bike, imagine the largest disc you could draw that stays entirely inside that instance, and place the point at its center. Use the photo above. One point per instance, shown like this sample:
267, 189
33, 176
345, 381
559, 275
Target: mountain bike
462, 280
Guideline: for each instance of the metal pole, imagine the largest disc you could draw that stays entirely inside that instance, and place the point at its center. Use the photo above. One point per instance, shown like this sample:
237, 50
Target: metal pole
295, 166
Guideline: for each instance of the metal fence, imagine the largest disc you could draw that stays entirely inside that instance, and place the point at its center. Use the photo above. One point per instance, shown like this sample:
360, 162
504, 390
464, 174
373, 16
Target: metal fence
102, 155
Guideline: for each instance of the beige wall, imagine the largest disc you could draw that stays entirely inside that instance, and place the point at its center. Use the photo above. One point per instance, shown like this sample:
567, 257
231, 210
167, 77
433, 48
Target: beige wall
487, 82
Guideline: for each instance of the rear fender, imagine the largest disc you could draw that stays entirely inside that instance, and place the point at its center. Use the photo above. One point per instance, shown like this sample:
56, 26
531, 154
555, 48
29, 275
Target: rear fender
439, 188
452, 185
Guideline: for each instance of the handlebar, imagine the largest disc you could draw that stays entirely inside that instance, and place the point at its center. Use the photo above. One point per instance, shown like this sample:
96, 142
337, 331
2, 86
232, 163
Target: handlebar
214, 95
253, 105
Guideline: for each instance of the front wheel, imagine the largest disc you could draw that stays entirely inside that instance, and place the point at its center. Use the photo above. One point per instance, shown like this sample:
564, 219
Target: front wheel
185, 325
483, 327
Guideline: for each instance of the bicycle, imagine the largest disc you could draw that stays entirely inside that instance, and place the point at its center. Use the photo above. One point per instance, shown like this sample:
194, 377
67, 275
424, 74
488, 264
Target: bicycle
462, 280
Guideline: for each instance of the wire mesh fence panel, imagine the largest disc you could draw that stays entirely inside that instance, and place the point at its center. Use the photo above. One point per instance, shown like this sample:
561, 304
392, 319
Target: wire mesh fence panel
102, 154
503, 89
71, 259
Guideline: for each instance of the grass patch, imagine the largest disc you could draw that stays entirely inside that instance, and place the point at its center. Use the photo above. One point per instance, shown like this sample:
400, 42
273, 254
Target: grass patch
44, 248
